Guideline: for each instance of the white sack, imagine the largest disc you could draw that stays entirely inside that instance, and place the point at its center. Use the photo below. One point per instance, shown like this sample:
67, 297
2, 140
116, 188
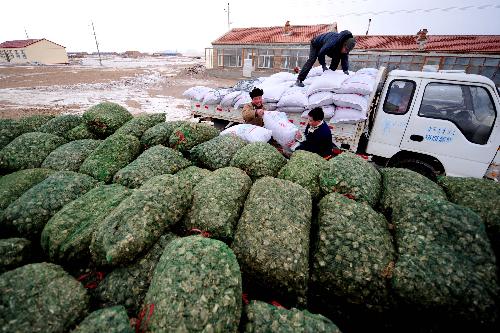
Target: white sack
320, 99
273, 91
354, 101
293, 97
230, 99
283, 76
271, 106
214, 97
368, 71
283, 130
328, 110
291, 109
347, 115
196, 93
315, 71
248, 132
329, 81
244, 99
362, 84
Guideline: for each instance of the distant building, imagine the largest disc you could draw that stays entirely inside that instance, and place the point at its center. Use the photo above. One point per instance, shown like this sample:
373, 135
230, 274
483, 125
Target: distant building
274, 49
167, 54
41, 51
132, 54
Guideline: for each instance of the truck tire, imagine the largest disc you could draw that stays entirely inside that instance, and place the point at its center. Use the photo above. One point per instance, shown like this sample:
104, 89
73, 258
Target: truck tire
422, 167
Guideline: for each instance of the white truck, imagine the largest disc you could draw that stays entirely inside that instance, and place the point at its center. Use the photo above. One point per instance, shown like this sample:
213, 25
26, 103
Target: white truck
435, 123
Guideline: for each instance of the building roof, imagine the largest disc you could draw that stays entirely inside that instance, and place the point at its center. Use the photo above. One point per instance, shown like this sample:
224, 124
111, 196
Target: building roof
19, 44
303, 34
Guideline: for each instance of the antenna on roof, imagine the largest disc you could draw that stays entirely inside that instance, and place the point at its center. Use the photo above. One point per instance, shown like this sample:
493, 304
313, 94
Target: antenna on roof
228, 22
27, 37
96, 43
367, 29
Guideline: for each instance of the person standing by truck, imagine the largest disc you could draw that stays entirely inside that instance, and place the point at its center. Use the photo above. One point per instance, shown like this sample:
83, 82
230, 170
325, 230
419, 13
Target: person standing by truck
253, 112
335, 45
318, 137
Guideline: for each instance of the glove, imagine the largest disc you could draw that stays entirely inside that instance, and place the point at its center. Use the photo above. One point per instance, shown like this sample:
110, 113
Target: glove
324, 68
346, 72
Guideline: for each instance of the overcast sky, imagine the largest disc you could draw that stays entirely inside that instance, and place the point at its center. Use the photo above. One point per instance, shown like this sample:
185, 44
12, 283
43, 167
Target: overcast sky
183, 25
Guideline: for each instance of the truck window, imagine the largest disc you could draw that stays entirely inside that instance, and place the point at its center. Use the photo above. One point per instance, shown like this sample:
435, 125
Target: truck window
470, 108
399, 96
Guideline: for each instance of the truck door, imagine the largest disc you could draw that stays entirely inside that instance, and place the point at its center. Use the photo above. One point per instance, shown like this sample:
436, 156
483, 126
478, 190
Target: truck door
457, 123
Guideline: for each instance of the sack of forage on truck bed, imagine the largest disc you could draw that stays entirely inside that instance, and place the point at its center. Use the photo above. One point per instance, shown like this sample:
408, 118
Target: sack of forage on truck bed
105, 118
155, 161
159, 134
14, 252
141, 123
40, 298
110, 320
61, 125
353, 254
188, 135
258, 159
196, 287
139, 220
304, 169
31, 211
217, 152
271, 240
217, 202
445, 261
128, 285
28, 150
80, 132
71, 155
263, 317
350, 174
110, 156
67, 235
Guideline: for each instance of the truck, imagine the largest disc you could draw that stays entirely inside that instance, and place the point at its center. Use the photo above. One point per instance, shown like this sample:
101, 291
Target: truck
435, 123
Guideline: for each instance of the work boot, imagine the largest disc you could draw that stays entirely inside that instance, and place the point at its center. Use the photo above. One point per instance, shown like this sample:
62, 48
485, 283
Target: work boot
299, 83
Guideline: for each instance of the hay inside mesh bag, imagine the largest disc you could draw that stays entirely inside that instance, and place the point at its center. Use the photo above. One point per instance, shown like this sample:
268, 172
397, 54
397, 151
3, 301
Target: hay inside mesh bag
160, 134
155, 161
111, 320
139, 220
14, 252
105, 118
28, 151
217, 202
350, 174
188, 135
196, 287
141, 123
71, 155
33, 123
128, 285
80, 132
60, 125
353, 254
258, 159
445, 261
272, 237
31, 211
216, 153
263, 317
9, 130
40, 298
304, 168
191, 176
110, 156
67, 235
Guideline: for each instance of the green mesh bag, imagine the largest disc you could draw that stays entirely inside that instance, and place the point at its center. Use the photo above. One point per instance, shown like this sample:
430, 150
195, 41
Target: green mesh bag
105, 118
9, 130
216, 153
196, 287
33, 123
71, 155
14, 252
258, 159
40, 298
160, 134
80, 132
141, 123
60, 125
188, 135
191, 176
109, 320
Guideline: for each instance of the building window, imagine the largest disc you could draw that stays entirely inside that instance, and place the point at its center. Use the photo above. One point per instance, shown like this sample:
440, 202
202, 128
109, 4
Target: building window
470, 108
220, 58
266, 59
23, 54
399, 96
229, 58
293, 58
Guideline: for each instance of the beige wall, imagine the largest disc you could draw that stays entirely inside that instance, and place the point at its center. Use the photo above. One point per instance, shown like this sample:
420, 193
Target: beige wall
46, 52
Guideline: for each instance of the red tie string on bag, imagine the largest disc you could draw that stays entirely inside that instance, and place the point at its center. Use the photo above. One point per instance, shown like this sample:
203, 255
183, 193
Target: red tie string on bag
203, 233
92, 279
349, 196
276, 304
140, 318
181, 136
244, 297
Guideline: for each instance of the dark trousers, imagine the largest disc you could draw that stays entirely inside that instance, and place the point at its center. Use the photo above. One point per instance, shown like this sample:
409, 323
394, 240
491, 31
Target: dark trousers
313, 55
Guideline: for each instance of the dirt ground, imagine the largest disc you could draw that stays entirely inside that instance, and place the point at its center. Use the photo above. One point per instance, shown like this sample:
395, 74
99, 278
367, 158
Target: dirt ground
141, 85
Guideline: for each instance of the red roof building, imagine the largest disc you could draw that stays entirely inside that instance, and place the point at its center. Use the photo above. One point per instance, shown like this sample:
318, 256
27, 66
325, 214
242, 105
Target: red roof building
41, 51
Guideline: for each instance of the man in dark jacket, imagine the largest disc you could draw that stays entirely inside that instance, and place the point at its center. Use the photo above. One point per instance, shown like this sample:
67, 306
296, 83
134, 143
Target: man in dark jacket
318, 137
335, 45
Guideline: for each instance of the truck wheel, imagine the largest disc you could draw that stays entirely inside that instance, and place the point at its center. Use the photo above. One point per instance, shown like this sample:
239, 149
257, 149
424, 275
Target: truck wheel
422, 167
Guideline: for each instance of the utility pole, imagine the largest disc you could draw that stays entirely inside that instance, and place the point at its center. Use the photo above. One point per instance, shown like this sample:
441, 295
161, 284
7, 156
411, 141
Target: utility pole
367, 29
27, 37
228, 22
96, 43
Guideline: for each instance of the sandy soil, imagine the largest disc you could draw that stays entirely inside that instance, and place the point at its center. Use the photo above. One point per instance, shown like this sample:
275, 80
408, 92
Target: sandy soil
141, 85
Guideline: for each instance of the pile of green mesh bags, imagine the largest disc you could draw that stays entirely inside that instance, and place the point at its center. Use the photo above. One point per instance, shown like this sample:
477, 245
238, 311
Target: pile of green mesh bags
61, 125
155, 161
140, 124
263, 317
67, 235
445, 262
14, 252
258, 159
109, 320
304, 169
28, 151
139, 221
110, 156
216, 153
351, 175
217, 202
196, 287
128, 285
160, 134
71, 155
40, 298
11, 129
272, 237
31, 211
353, 255
105, 118
188, 135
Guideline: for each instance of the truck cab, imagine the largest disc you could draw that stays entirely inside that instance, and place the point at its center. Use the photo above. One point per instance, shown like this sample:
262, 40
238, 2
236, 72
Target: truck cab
437, 123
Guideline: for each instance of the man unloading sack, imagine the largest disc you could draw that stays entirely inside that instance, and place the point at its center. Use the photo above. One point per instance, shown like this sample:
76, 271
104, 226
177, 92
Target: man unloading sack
335, 45
253, 112
318, 137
